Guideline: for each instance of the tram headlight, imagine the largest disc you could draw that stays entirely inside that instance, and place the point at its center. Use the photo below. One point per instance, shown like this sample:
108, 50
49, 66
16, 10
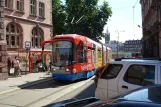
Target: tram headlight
74, 71
53, 69
67, 70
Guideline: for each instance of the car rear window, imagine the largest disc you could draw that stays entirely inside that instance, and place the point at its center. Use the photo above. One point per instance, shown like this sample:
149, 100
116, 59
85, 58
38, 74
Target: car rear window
111, 71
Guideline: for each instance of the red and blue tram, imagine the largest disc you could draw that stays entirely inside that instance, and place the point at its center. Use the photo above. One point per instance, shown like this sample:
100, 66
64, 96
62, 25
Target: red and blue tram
76, 57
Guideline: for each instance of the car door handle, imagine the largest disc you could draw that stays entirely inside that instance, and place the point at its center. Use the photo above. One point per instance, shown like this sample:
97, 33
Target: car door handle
126, 87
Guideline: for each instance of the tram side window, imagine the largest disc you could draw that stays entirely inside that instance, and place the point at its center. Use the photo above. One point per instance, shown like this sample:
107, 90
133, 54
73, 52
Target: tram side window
85, 54
107, 56
99, 53
93, 56
80, 54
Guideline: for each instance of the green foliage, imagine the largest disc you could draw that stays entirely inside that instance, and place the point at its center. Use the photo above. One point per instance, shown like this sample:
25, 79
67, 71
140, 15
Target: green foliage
82, 17
58, 16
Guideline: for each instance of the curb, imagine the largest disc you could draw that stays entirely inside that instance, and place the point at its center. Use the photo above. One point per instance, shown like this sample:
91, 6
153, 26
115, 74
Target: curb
26, 85
53, 97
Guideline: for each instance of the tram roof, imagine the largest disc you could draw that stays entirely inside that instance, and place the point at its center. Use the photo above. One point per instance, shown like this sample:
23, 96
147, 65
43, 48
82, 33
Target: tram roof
88, 39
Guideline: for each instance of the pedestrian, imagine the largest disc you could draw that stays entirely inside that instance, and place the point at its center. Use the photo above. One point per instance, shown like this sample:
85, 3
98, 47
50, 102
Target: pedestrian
48, 64
17, 71
49, 67
9, 65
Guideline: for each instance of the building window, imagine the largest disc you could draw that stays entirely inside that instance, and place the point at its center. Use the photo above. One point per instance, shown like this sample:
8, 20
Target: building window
13, 35
9, 4
33, 7
41, 9
20, 5
37, 35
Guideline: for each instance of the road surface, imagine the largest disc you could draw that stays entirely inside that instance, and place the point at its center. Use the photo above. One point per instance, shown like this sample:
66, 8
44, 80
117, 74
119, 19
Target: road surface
31, 96
85, 91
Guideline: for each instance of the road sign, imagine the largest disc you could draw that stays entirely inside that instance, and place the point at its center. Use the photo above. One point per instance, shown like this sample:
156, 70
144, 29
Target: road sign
27, 45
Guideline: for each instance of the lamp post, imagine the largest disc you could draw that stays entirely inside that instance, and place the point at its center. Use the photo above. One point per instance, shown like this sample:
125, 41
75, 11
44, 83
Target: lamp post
118, 32
139, 26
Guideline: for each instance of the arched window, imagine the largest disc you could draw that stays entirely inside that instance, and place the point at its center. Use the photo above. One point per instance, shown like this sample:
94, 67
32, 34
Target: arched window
13, 35
37, 37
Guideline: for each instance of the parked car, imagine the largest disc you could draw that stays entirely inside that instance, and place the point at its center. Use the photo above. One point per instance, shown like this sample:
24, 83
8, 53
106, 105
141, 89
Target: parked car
144, 97
124, 75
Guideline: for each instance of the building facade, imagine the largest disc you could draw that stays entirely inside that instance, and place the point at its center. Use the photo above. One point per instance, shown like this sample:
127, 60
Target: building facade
114, 44
121, 47
3, 49
27, 22
107, 36
151, 17
133, 46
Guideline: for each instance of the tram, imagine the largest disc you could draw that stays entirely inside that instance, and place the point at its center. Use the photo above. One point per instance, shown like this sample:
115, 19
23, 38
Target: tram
76, 57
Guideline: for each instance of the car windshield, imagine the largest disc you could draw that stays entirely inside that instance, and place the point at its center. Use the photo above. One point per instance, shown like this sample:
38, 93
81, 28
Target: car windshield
62, 52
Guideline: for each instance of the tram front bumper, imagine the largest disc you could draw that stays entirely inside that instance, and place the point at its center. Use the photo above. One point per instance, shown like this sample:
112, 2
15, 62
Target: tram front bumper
64, 77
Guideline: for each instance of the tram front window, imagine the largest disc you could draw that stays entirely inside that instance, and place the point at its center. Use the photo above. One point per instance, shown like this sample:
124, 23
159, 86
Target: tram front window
62, 53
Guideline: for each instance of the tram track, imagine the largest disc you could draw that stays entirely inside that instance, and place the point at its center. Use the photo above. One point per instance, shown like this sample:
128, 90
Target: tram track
45, 97
49, 99
39, 94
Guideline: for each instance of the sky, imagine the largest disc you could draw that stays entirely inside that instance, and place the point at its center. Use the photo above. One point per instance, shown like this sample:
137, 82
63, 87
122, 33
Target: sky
122, 20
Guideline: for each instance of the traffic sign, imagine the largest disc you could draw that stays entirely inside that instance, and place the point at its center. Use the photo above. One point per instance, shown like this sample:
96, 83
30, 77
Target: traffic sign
27, 45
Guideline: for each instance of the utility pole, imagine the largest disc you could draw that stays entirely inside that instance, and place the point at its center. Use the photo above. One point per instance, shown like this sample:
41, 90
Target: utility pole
134, 15
118, 32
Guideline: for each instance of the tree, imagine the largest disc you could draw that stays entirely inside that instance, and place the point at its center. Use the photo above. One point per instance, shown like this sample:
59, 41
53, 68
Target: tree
58, 16
85, 17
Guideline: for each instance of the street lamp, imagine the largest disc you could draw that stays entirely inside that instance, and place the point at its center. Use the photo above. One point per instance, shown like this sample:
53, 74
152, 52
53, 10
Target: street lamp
118, 32
139, 26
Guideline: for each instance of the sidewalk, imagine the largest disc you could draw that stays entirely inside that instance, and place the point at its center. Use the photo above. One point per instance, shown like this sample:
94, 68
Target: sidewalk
15, 83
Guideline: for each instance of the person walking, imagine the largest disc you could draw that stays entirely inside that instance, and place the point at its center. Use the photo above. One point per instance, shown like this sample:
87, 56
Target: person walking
9, 65
49, 67
16, 63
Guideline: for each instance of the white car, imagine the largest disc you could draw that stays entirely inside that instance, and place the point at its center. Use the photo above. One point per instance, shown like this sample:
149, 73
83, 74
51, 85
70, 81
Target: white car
122, 76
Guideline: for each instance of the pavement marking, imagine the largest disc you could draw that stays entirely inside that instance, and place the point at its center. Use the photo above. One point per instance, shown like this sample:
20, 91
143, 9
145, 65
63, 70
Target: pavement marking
27, 85
49, 99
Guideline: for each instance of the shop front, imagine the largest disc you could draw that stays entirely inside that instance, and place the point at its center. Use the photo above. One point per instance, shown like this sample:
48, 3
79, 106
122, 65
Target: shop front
28, 58
37, 55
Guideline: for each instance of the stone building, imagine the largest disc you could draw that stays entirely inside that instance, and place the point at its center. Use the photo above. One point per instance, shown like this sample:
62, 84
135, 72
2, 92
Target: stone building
3, 49
133, 46
27, 22
107, 36
114, 45
151, 17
